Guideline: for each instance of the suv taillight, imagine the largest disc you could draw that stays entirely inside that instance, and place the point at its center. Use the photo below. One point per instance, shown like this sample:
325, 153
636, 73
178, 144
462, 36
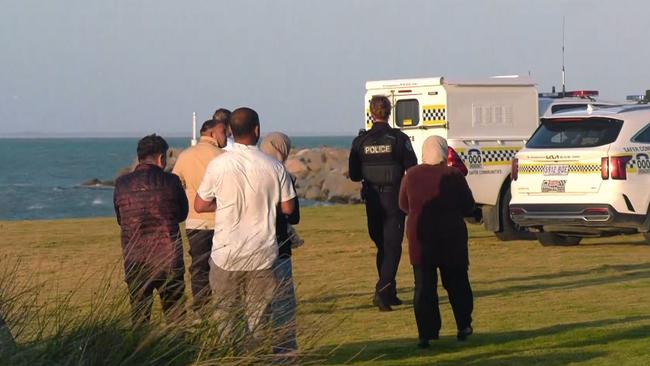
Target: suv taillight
616, 167
604, 168
454, 160
514, 174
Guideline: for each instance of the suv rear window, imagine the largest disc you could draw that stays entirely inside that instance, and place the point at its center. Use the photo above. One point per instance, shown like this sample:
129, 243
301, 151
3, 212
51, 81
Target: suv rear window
407, 112
575, 132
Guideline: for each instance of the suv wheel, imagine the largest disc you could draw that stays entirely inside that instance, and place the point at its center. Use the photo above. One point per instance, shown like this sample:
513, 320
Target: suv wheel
553, 239
510, 230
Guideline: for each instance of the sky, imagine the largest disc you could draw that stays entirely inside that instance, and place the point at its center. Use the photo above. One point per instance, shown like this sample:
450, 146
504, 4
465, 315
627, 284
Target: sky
113, 68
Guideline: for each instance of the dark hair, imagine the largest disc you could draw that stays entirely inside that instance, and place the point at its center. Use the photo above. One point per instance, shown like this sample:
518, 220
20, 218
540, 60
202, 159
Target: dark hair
222, 115
208, 125
150, 146
380, 107
243, 122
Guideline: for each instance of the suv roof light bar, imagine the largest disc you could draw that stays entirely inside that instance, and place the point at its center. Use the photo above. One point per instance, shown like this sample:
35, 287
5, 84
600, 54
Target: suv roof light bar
572, 93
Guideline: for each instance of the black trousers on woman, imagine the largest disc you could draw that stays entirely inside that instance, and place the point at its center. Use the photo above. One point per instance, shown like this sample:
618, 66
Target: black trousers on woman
425, 303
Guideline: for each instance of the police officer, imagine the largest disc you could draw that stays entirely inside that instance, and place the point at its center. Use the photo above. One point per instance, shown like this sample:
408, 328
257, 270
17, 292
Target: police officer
379, 157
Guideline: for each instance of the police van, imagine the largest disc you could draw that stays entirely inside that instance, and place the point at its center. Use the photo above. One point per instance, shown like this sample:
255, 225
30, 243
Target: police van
486, 122
585, 173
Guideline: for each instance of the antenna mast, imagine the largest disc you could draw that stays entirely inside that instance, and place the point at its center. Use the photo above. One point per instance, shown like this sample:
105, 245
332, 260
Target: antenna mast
563, 70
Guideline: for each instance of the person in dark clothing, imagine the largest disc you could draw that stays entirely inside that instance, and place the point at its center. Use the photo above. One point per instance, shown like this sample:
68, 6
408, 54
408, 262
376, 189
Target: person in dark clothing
149, 205
278, 145
436, 198
379, 157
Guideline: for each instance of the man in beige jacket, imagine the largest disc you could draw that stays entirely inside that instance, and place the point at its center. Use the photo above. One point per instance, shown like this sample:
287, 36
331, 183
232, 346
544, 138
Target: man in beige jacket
190, 167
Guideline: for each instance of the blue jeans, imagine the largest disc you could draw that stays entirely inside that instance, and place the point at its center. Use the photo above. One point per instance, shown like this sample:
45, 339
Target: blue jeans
284, 308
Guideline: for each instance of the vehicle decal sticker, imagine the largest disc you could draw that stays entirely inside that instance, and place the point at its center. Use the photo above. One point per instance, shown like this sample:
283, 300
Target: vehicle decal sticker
489, 156
640, 163
434, 115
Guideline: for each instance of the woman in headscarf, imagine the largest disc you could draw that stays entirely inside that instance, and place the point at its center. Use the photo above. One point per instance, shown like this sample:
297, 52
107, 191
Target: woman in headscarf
278, 145
436, 198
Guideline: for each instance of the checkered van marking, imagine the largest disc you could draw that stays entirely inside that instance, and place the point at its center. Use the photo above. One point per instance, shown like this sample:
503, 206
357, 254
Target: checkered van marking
368, 119
501, 155
434, 114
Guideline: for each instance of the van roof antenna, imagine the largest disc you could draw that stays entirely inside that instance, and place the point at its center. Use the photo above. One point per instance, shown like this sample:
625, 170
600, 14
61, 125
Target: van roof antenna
563, 69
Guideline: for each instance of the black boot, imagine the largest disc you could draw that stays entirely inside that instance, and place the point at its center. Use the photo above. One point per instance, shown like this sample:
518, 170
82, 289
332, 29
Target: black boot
382, 304
464, 333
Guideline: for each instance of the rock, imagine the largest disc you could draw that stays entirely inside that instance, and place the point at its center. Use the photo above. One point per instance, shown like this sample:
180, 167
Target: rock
314, 194
337, 188
98, 183
313, 158
297, 167
321, 173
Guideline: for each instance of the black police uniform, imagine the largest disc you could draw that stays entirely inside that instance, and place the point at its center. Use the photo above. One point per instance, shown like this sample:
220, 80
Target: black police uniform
379, 157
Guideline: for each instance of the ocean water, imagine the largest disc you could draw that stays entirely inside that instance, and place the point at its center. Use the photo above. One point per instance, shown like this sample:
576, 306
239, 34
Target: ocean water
41, 178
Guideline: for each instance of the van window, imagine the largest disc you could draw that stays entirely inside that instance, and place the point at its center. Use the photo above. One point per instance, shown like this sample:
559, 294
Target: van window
643, 136
407, 112
575, 132
566, 107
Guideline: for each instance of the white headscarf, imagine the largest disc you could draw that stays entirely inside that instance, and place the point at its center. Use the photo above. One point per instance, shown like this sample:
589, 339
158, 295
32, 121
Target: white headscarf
434, 150
276, 145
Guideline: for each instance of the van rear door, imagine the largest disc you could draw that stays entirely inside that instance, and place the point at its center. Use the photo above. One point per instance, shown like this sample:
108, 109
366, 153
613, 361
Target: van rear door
565, 155
418, 117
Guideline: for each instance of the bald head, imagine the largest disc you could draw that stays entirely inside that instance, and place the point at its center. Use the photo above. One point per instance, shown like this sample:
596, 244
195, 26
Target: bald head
245, 126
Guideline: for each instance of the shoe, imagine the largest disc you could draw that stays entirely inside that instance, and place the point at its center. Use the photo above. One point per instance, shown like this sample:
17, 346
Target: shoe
381, 304
395, 301
423, 343
464, 333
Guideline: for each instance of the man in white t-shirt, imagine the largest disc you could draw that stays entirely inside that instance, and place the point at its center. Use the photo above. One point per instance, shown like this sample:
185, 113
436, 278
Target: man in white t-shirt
244, 187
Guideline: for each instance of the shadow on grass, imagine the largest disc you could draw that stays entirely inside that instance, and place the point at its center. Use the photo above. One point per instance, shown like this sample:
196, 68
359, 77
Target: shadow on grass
624, 275
562, 274
606, 274
512, 346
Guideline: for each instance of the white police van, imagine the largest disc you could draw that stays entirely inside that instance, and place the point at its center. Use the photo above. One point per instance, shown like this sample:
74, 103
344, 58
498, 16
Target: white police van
585, 173
484, 121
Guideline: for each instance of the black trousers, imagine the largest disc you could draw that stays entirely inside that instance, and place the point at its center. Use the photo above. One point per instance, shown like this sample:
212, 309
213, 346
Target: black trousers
142, 280
425, 300
386, 229
200, 250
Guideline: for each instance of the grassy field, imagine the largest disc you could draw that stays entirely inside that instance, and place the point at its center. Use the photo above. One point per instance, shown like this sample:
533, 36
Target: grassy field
534, 305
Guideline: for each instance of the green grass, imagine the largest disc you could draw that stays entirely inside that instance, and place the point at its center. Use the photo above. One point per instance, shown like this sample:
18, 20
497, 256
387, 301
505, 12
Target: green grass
534, 305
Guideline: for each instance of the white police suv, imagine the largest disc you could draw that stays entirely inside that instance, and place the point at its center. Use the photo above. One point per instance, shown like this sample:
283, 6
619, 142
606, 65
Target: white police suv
557, 102
585, 173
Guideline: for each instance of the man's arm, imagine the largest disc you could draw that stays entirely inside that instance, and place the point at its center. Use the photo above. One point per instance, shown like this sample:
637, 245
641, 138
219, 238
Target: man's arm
206, 200
354, 163
288, 207
116, 207
294, 218
287, 191
201, 205
183, 205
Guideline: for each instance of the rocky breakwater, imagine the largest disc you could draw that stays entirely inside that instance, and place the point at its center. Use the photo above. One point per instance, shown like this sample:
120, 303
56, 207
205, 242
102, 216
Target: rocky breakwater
322, 175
